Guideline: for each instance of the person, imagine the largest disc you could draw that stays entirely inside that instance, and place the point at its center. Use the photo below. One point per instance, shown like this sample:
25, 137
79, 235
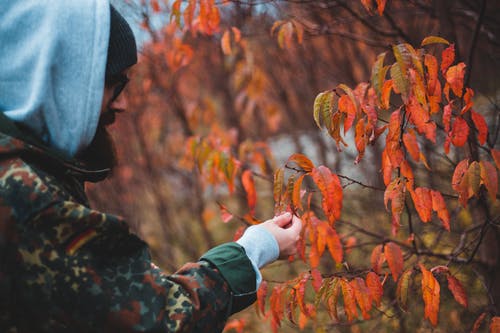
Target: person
65, 267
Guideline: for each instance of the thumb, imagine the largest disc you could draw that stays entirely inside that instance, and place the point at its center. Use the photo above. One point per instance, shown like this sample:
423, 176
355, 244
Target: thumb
296, 225
283, 219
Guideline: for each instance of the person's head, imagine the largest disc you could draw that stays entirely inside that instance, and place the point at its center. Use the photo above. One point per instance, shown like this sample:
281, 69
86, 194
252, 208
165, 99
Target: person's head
122, 54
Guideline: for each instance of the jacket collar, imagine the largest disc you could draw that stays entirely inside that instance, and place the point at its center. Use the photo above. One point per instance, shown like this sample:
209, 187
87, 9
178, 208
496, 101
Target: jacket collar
15, 141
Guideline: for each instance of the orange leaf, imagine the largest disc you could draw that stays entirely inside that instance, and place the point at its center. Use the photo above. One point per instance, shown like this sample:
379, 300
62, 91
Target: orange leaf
410, 142
317, 279
381, 6
478, 322
302, 161
402, 289
459, 132
448, 57
261, 297
235, 324
349, 300
377, 259
331, 190
296, 194
473, 178
225, 214
249, 186
333, 242
395, 192
423, 203
447, 111
459, 181
407, 173
360, 139
457, 290
469, 93
481, 126
489, 178
226, 43
430, 294
496, 157
394, 257
439, 206
276, 303
386, 94
347, 106
495, 325
362, 295
375, 287
455, 78
387, 167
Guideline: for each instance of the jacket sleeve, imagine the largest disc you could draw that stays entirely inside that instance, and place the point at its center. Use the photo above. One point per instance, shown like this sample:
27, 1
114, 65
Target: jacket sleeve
88, 272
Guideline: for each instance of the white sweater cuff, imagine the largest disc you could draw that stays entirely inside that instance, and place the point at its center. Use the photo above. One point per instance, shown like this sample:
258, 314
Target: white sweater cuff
261, 248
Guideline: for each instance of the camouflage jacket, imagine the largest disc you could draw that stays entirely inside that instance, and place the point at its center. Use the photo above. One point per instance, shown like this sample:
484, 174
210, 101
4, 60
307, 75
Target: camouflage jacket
67, 268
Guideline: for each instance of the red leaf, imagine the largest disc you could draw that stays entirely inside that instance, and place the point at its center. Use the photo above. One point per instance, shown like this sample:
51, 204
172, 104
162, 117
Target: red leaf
459, 181
481, 126
302, 161
375, 287
395, 192
331, 190
334, 243
249, 186
377, 259
296, 194
423, 203
432, 74
469, 93
448, 57
447, 111
381, 6
496, 157
394, 256
349, 300
317, 279
489, 178
430, 294
478, 322
410, 142
459, 132
362, 294
360, 139
457, 290
261, 297
347, 106
387, 167
402, 289
455, 78
495, 325
439, 206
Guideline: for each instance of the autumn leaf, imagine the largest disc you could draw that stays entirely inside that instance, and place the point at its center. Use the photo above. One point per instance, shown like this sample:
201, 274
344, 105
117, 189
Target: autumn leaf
302, 161
323, 105
377, 258
489, 177
317, 279
495, 325
249, 186
349, 300
237, 325
379, 72
402, 289
455, 78
362, 295
459, 132
478, 322
225, 214
495, 154
481, 126
345, 105
333, 242
473, 178
430, 295
423, 203
278, 187
399, 81
410, 142
469, 93
386, 94
360, 139
375, 287
296, 194
459, 181
457, 290
434, 40
439, 206
381, 6
448, 57
261, 297
226, 43
394, 257
331, 190
395, 192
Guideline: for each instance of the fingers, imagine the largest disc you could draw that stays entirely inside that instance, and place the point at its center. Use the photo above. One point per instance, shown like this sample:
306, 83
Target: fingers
296, 226
283, 219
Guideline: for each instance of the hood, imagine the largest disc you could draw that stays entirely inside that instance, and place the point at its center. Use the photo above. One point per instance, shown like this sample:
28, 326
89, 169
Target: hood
52, 68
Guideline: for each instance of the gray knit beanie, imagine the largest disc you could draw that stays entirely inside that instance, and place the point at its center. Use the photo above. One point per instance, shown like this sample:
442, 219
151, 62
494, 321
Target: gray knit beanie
122, 50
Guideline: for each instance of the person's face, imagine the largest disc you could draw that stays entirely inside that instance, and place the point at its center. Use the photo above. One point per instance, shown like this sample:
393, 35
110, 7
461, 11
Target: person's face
113, 100
101, 152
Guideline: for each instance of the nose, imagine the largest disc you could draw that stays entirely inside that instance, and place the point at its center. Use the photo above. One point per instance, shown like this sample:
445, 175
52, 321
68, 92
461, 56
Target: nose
120, 104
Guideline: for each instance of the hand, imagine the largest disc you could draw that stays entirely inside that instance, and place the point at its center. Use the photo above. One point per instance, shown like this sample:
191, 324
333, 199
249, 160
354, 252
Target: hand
286, 230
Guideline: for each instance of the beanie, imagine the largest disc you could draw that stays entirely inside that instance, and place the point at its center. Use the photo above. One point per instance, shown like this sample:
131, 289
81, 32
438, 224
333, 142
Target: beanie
122, 50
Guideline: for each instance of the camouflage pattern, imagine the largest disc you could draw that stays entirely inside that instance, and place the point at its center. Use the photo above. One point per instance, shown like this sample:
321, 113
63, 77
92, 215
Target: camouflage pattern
67, 268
